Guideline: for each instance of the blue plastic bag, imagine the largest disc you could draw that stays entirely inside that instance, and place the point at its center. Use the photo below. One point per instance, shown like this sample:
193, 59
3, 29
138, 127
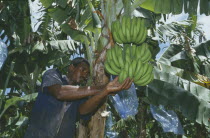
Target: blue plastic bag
168, 119
3, 53
126, 102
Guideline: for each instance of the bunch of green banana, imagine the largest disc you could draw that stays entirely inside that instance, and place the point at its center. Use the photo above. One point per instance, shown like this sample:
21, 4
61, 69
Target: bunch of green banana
114, 60
132, 62
140, 72
129, 30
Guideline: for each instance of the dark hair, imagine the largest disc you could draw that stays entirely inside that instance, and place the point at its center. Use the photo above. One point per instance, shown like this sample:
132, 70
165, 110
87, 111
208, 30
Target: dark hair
79, 60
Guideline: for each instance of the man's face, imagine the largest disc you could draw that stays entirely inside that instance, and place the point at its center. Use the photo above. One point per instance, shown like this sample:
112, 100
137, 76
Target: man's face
80, 73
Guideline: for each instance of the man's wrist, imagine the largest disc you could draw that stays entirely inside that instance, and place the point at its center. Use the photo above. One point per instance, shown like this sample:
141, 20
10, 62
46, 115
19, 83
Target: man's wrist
105, 91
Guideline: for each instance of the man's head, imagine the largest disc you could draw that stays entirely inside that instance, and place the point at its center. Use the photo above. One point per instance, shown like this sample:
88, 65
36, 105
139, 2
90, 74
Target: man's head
79, 70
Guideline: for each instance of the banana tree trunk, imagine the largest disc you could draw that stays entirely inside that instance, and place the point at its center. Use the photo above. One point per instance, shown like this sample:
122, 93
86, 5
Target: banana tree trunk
96, 127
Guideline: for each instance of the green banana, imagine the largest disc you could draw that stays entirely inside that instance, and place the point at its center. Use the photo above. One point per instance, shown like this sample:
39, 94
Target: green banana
138, 67
144, 36
133, 66
141, 31
127, 66
125, 75
149, 69
136, 30
147, 56
113, 66
120, 59
142, 49
114, 56
130, 72
108, 55
112, 25
138, 51
116, 37
147, 82
114, 29
108, 69
147, 65
141, 72
128, 54
121, 77
144, 80
119, 31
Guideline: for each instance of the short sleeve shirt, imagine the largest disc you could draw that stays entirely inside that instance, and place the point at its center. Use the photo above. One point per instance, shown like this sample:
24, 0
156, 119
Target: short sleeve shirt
51, 118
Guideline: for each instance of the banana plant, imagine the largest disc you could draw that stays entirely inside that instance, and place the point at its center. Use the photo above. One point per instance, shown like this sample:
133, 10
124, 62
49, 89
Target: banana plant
177, 6
176, 87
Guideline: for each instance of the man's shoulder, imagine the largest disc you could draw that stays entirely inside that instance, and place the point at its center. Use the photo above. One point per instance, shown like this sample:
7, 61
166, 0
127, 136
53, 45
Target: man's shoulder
51, 71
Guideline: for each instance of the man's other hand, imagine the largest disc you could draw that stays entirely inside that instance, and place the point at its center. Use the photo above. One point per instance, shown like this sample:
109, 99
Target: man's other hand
114, 86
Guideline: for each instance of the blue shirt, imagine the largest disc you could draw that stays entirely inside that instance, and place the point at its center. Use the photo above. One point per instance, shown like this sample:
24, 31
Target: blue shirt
51, 118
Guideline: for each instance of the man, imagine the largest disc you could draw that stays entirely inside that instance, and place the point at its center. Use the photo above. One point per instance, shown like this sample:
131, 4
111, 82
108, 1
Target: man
61, 102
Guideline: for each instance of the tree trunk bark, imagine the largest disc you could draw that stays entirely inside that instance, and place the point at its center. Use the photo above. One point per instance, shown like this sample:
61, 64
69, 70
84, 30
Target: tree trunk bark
96, 127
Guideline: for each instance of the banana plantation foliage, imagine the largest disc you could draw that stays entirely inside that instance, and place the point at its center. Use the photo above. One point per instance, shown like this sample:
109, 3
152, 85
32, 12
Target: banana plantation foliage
118, 38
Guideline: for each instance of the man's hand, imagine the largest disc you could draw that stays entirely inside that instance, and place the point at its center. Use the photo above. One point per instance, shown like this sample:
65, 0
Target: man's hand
114, 86
111, 89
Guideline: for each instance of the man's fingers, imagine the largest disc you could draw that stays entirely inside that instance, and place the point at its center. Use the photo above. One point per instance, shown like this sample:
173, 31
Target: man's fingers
116, 79
129, 85
125, 83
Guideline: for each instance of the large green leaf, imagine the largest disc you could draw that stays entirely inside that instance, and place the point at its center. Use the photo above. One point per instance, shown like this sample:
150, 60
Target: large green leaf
56, 14
136, 4
62, 3
65, 46
97, 21
197, 90
13, 101
167, 94
190, 76
175, 56
75, 34
204, 7
47, 3
169, 54
175, 6
203, 50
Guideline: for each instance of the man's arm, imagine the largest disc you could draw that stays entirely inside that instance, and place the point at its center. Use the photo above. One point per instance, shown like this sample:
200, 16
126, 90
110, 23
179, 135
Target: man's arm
113, 87
70, 92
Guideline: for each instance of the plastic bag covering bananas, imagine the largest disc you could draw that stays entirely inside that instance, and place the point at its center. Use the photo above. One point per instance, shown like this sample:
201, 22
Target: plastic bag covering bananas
130, 61
129, 30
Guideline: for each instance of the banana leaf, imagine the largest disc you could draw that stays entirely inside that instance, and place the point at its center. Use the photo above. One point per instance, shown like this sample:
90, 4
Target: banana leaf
13, 101
47, 3
56, 13
195, 89
175, 6
65, 46
62, 3
75, 34
175, 56
170, 95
